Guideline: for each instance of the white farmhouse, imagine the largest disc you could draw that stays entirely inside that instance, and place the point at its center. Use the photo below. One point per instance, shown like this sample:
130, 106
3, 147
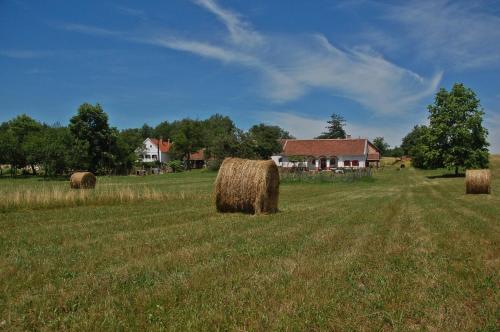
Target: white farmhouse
325, 154
159, 150
154, 150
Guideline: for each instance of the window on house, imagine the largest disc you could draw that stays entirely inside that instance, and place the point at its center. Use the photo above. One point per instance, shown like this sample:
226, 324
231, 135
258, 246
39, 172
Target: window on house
150, 146
355, 163
347, 163
155, 157
148, 156
280, 160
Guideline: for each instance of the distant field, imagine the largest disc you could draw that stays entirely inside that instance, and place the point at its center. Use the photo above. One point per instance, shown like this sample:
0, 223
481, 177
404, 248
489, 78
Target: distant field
405, 251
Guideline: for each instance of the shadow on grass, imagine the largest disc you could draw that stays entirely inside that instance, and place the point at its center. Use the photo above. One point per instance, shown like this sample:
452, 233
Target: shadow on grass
446, 176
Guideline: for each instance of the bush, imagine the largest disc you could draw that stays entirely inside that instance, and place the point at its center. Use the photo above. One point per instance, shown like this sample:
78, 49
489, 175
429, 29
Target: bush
176, 165
214, 165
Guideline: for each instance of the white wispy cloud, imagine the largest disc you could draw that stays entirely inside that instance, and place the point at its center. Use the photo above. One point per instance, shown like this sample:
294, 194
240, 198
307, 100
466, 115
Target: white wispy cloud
240, 31
90, 30
460, 33
292, 65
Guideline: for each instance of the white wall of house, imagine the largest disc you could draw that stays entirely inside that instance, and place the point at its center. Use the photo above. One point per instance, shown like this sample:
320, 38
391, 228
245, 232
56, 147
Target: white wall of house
360, 158
150, 153
282, 161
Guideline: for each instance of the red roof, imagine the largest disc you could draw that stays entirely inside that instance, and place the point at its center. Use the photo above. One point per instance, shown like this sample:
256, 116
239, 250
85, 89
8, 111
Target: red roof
324, 147
198, 155
164, 146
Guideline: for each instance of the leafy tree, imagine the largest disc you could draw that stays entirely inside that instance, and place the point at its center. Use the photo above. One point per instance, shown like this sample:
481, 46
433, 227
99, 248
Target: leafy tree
220, 137
8, 146
397, 152
335, 128
21, 127
266, 139
415, 145
146, 131
246, 146
187, 138
457, 138
92, 136
381, 145
163, 130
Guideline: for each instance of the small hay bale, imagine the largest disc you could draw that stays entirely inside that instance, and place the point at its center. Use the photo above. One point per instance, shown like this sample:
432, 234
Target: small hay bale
249, 186
82, 180
477, 181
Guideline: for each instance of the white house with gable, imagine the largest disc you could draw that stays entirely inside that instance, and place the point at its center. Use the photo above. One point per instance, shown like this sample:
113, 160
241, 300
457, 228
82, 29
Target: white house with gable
325, 154
154, 150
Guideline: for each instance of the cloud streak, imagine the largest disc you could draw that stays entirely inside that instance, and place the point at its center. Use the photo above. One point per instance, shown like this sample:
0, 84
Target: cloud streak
460, 33
291, 65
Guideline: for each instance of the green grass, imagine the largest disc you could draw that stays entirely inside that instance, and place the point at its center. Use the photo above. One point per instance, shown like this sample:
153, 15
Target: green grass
399, 252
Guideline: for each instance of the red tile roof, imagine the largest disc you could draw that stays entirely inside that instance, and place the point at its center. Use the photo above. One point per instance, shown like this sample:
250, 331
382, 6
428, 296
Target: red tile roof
324, 147
198, 155
164, 146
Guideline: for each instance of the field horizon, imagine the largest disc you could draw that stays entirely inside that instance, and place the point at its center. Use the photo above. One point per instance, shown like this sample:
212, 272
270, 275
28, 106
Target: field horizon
407, 250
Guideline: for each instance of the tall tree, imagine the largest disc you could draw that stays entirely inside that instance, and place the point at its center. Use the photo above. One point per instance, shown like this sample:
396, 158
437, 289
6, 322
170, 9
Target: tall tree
381, 145
22, 127
163, 130
416, 145
457, 138
266, 139
187, 138
91, 132
220, 137
147, 131
335, 128
8, 146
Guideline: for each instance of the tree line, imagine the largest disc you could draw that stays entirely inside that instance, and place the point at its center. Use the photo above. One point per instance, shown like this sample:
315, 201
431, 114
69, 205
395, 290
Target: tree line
88, 142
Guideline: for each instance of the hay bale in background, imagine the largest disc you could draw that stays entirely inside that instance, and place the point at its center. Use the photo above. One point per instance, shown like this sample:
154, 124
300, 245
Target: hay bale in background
478, 181
82, 180
250, 186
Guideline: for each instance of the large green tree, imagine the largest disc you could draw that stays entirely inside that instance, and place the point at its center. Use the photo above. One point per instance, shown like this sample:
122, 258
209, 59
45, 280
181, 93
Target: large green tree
457, 138
335, 128
21, 152
92, 137
266, 139
188, 138
8, 146
416, 145
220, 137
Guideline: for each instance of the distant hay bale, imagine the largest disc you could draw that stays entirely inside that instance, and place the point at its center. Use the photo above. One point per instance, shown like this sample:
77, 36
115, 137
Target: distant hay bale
250, 186
82, 180
478, 181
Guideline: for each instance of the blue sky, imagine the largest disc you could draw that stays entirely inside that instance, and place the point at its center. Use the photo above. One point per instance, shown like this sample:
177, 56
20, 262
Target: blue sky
290, 63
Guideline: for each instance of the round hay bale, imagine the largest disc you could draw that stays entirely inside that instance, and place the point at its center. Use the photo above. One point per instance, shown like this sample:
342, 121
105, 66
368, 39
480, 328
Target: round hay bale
477, 181
82, 180
249, 186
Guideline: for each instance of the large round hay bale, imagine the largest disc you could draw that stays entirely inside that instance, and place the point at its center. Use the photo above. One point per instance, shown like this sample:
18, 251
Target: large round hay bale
478, 181
250, 186
82, 180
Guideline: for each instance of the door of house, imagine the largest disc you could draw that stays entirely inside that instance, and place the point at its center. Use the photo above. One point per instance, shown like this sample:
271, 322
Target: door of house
322, 164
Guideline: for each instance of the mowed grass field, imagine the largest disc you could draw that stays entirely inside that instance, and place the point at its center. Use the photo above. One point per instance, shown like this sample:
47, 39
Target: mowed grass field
407, 250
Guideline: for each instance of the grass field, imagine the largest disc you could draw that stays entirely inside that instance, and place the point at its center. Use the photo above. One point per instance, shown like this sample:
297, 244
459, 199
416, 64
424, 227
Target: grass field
407, 250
